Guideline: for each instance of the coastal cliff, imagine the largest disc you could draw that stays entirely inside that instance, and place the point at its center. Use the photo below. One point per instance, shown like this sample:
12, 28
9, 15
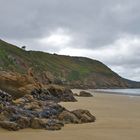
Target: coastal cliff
75, 72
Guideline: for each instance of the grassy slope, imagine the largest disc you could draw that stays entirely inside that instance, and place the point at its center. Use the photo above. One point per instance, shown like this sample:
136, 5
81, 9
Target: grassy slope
70, 68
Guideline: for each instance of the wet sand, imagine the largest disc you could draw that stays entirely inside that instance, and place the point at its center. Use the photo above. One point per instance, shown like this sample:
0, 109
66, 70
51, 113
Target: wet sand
118, 118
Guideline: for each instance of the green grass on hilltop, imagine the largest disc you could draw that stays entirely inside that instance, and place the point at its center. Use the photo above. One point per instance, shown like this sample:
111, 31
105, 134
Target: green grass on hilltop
71, 68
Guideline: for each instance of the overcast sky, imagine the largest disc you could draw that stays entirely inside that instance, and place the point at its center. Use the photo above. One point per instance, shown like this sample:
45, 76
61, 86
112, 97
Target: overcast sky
106, 30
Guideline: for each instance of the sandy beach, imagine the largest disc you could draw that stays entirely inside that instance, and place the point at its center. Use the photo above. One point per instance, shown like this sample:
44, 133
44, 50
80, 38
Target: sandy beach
118, 118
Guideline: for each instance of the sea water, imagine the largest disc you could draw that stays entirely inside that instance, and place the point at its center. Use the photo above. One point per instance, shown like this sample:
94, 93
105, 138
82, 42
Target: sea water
134, 92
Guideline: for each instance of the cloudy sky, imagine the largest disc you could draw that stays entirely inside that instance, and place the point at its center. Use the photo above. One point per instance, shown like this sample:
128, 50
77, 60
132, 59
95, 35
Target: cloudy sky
106, 30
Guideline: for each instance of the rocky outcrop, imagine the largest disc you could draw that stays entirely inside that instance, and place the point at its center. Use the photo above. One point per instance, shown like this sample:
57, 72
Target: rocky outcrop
16, 84
32, 104
19, 85
32, 112
55, 93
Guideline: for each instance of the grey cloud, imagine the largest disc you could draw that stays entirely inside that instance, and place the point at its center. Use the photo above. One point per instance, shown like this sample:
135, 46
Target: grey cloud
97, 21
93, 24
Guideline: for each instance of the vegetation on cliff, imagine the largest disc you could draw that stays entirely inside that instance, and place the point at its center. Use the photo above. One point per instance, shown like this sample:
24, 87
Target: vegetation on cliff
73, 71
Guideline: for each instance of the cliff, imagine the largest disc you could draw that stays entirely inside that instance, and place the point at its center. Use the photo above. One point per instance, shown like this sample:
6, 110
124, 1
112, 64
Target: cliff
76, 72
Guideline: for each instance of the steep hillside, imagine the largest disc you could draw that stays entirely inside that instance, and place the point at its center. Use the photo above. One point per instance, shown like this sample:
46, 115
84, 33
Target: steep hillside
74, 71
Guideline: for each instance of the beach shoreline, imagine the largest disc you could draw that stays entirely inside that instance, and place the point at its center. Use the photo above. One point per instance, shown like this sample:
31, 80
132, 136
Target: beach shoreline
117, 93
117, 117
100, 91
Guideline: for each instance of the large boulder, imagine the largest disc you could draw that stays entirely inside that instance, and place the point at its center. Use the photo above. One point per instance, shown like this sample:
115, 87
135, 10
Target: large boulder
54, 124
76, 116
68, 117
85, 94
23, 122
52, 110
84, 116
12, 126
49, 124
37, 123
62, 93
55, 93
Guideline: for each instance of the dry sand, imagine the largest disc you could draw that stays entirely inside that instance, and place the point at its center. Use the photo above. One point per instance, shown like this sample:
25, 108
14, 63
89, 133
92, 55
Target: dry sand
118, 118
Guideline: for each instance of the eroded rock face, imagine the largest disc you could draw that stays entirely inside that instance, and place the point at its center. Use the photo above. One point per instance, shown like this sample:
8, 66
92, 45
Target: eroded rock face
16, 84
19, 85
56, 94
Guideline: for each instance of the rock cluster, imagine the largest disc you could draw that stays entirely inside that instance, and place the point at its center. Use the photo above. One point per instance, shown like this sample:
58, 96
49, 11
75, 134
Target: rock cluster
39, 110
56, 94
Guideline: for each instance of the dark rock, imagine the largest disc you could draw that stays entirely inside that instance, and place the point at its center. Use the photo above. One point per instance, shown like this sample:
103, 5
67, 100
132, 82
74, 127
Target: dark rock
43, 95
85, 94
63, 94
5, 98
48, 124
68, 117
52, 110
56, 94
37, 123
75, 94
84, 116
23, 122
54, 124
12, 126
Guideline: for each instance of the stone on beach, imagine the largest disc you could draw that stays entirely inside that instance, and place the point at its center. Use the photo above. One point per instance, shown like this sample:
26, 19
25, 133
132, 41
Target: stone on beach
68, 117
12, 126
84, 116
85, 94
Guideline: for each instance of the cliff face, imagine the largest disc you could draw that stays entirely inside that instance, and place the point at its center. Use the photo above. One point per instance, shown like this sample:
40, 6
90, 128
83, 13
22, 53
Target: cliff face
74, 71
